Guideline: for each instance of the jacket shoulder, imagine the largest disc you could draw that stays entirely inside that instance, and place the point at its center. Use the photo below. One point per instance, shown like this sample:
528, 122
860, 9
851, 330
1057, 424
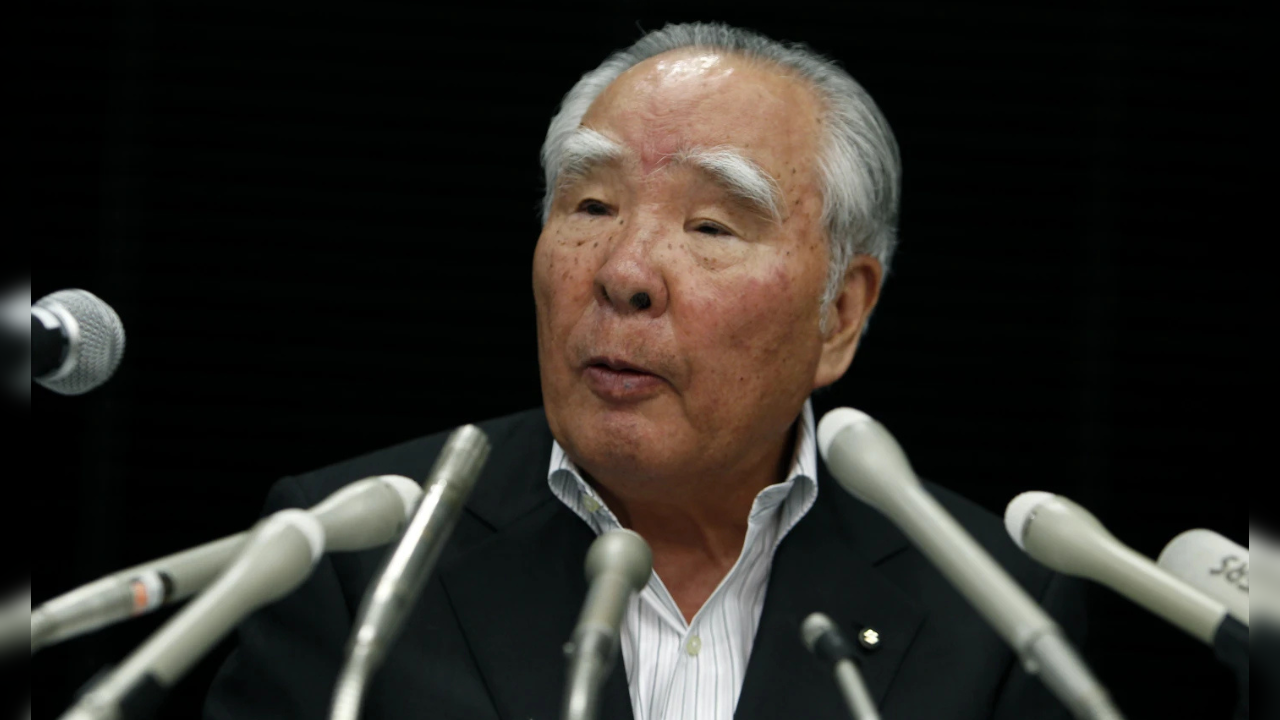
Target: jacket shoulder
517, 435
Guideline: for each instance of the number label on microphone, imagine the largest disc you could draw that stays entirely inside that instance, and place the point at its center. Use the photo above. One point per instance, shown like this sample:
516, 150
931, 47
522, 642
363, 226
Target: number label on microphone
1235, 571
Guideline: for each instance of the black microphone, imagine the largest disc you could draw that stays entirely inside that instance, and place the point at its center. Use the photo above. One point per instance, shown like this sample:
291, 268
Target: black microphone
77, 341
824, 639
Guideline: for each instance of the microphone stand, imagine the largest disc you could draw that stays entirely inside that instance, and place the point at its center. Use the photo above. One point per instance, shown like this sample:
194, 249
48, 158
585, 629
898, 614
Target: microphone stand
854, 690
1231, 646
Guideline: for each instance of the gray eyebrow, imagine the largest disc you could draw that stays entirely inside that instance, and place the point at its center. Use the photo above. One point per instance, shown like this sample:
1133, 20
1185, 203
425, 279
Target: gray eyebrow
741, 176
585, 149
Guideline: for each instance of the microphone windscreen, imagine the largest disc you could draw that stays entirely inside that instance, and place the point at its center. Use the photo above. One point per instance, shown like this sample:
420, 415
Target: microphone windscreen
835, 421
409, 491
621, 551
1018, 512
814, 627
310, 528
98, 340
1212, 564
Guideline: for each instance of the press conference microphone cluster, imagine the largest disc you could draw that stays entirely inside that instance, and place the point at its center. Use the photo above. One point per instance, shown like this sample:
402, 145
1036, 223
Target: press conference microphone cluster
1065, 537
866, 460
278, 556
77, 341
407, 567
363, 515
618, 566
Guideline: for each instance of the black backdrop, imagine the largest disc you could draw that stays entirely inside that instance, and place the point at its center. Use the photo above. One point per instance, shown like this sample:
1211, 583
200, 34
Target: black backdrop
316, 220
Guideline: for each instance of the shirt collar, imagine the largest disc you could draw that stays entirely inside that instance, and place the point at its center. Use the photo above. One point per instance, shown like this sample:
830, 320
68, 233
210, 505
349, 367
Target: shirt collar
798, 492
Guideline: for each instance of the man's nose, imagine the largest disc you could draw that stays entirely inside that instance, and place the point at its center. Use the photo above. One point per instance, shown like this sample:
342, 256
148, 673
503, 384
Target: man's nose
631, 279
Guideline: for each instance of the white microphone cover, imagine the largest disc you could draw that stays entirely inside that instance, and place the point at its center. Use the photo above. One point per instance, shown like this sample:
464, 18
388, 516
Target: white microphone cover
1018, 512
1212, 564
310, 528
835, 421
409, 491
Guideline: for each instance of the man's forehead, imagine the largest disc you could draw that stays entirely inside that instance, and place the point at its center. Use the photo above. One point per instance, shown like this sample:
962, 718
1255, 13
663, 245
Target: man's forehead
696, 99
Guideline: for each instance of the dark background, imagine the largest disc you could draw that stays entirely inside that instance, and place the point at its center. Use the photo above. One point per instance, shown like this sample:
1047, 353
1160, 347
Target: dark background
316, 220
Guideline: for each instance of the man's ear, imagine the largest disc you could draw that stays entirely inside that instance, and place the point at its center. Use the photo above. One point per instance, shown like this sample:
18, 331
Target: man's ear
846, 317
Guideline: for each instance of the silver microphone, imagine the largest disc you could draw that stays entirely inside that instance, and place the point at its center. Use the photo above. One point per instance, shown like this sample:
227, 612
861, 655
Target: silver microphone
821, 636
405, 570
1213, 565
618, 565
77, 343
867, 461
277, 557
1067, 538
362, 515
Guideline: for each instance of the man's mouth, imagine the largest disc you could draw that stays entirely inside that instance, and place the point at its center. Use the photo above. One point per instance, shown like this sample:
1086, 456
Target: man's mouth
617, 380
621, 366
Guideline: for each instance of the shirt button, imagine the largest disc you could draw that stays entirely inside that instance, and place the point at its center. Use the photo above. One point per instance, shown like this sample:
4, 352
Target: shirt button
694, 645
590, 504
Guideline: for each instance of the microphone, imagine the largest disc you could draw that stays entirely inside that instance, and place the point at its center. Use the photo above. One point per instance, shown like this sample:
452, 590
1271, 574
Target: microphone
15, 612
362, 515
279, 554
867, 461
77, 341
618, 565
821, 636
1067, 538
1213, 565
405, 570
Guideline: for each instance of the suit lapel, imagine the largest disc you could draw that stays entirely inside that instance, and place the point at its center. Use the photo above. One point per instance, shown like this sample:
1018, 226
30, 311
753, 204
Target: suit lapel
827, 564
518, 593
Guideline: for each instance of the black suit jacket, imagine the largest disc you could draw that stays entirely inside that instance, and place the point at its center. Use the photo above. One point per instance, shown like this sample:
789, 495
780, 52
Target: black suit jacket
486, 638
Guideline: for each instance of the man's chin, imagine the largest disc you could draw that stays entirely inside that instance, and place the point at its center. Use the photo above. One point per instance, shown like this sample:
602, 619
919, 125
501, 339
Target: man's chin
613, 441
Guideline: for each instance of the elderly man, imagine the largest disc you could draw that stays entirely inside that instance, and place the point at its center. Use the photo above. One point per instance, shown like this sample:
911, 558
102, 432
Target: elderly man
719, 215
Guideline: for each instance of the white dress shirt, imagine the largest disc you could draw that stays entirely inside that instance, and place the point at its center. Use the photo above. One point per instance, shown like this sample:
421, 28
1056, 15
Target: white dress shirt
694, 671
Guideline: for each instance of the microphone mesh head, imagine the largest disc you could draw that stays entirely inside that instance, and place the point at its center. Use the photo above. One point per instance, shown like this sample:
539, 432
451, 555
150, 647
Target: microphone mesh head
97, 341
622, 551
1019, 512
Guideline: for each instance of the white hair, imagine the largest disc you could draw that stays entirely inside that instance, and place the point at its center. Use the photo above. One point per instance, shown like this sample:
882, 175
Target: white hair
859, 166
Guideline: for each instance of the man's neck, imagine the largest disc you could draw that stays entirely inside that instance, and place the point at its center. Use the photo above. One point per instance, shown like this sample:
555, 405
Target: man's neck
696, 527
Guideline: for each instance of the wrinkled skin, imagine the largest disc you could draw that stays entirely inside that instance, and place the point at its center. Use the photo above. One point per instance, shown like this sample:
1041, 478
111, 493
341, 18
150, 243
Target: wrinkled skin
733, 332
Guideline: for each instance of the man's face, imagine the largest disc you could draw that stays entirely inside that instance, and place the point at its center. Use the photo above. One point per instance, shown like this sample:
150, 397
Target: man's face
710, 374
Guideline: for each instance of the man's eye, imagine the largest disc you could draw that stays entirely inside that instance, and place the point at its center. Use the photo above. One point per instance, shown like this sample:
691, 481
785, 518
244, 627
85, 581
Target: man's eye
710, 229
593, 207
